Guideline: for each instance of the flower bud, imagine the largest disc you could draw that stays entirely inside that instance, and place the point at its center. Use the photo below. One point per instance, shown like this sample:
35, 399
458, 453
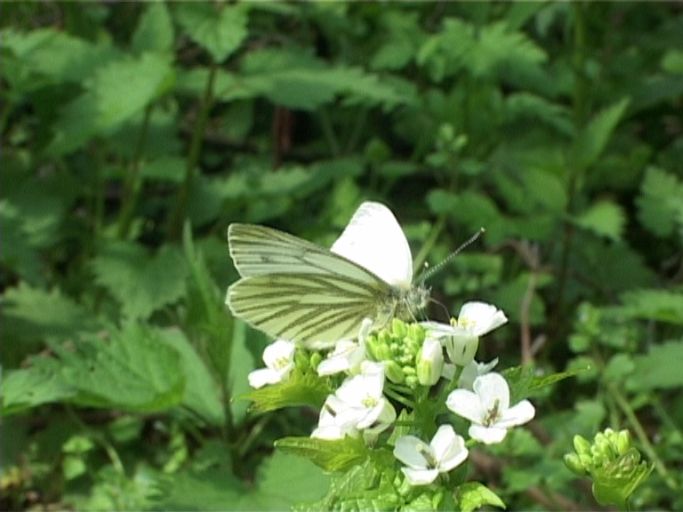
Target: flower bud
462, 348
623, 441
416, 332
393, 372
581, 445
315, 359
429, 362
398, 328
573, 462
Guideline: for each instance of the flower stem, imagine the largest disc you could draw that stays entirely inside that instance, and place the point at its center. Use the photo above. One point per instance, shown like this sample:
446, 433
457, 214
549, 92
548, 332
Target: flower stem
133, 183
177, 216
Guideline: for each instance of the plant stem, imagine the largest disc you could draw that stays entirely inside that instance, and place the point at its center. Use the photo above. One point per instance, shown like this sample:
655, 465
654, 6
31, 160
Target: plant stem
133, 183
177, 216
328, 132
626, 408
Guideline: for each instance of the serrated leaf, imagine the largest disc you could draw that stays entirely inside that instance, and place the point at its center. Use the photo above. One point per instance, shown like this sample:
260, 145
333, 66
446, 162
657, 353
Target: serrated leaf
283, 481
134, 370
604, 218
34, 314
39, 384
473, 495
660, 368
118, 92
154, 31
140, 283
330, 455
218, 29
593, 139
659, 305
524, 383
660, 208
299, 389
201, 394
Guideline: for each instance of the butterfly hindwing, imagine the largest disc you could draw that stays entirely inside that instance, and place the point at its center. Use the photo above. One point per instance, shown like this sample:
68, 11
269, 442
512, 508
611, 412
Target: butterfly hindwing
305, 307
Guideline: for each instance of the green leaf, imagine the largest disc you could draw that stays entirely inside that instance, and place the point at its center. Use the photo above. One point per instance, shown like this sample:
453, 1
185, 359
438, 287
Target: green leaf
134, 370
660, 305
140, 283
473, 495
33, 314
154, 31
118, 92
218, 29
201, 394
593, 139
330, 455
524, 382
298, 389
604, 218
672, 62
660, 368
283, 481
38, 384
660, 208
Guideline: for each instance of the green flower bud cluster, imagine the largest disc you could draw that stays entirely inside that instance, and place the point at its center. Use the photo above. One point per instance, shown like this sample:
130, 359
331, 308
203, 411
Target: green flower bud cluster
612, 463
398, 346
305, 360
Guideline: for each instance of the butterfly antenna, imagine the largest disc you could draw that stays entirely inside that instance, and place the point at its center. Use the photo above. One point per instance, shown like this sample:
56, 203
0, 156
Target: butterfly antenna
436, 268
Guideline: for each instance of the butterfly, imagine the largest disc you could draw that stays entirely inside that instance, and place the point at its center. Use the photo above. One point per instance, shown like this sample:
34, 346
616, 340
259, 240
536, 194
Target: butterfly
293, 289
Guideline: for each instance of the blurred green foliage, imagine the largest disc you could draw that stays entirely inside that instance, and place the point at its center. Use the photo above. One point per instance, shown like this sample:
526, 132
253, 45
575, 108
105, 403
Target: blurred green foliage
133, 134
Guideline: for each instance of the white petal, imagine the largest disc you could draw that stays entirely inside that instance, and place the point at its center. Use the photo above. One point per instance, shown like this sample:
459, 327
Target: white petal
374, 240
374, 414
277, 351
259, 378
409, 450
449, 448
493, 391
480, 317
347, 356
487, 435
466, 404
461, 348
353, 390
333, 432
474, 370
420, 476
517, 415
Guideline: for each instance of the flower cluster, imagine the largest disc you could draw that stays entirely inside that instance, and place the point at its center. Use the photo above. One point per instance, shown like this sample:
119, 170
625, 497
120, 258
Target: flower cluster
612, 462
411, 364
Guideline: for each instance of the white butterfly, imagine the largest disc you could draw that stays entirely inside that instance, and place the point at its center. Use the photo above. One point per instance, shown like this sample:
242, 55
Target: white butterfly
293, 289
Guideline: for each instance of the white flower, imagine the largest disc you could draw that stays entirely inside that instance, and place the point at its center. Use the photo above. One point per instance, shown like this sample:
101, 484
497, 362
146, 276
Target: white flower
362, 395
347, 355
429, 362
488, 408
333, 422
279, 359
473, 370
425, 461
480, 318
461, 337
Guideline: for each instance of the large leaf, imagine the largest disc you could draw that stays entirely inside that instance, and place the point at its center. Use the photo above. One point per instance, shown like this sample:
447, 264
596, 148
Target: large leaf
154, 31
134, 370
593, 139
330, 455
139, 282
218, 29
660, 208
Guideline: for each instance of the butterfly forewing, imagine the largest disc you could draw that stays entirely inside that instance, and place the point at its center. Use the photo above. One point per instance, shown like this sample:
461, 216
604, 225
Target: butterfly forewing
293, 289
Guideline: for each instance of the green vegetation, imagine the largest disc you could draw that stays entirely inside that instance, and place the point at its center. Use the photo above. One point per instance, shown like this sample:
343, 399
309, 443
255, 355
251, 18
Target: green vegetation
132, 134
